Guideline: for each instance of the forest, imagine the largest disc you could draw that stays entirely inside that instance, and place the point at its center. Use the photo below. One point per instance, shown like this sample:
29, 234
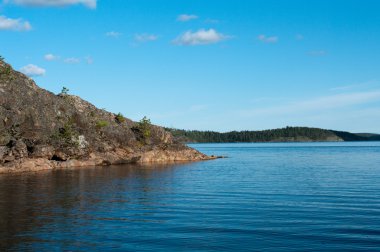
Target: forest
288, 134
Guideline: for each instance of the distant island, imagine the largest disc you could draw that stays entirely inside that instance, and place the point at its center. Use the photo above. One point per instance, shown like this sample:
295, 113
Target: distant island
288, 134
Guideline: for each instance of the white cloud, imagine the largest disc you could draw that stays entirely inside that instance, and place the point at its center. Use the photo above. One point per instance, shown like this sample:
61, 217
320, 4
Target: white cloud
186, 17
265, 39
33, 70
53, 3
113, 34
200, 37
14, 24
324, 103
50, 57
145, 37
72, 61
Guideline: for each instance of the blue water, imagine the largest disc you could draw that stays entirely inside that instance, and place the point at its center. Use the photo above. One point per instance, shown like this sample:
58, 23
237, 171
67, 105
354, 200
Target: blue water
264, 197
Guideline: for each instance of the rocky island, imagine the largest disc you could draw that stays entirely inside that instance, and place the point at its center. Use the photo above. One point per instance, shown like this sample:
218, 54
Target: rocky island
40, 130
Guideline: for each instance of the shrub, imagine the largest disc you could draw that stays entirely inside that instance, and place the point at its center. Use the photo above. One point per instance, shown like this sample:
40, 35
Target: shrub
66, 135
119, 118
144, 126
142, 130
6, 72
101, 124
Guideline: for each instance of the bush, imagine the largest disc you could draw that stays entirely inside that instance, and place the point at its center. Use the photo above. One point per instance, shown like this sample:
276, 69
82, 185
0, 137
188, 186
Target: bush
119, 118
101, 124
6, 72
66, 135
144, 126
142, 130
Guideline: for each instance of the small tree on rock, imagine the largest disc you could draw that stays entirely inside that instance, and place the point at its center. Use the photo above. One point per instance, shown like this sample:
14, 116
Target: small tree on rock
144, 126
65, 91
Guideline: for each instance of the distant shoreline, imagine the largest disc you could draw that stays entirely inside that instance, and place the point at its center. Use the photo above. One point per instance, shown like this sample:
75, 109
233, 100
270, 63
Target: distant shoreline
190, 143
283, 135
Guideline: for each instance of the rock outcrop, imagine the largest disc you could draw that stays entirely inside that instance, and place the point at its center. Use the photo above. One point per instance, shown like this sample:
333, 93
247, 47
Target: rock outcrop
40, 130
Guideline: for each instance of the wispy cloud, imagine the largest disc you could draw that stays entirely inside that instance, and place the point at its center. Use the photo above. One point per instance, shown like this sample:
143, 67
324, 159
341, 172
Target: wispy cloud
14, 24
113, 34
32, 70
186, 17
317, 104
72, 60
265, 39
355, 86
51, 57
200, 37
145, 37
52, 3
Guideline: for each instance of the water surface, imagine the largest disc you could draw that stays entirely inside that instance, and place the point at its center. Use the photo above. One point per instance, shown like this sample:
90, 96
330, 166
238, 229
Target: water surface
264, 197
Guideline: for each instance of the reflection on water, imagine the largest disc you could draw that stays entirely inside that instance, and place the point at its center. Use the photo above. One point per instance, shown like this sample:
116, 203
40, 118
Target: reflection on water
264, 197
34, 200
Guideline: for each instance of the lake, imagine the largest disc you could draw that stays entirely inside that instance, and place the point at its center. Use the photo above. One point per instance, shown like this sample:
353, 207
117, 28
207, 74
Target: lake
264, 197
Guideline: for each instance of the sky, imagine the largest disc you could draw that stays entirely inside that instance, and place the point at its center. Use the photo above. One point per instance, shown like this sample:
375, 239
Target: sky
217, 65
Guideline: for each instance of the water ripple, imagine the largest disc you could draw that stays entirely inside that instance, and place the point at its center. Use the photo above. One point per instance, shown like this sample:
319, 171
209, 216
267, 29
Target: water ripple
264, 197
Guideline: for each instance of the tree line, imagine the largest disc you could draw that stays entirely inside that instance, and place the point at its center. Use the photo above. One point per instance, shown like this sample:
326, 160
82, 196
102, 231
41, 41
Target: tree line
288, 134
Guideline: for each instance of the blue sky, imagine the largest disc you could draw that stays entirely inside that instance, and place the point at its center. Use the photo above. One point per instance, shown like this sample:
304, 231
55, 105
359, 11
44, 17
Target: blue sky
206, 64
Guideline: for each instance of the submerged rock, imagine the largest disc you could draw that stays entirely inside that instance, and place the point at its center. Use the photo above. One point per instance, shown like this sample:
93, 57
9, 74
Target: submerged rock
40, 130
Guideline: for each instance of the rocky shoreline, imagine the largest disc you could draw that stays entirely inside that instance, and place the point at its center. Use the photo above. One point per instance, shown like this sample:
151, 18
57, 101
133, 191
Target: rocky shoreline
100, 159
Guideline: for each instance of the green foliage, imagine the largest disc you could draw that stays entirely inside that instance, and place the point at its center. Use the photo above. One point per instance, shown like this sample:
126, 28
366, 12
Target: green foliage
101, 124
144, 126
119, 118
142, 130
91, 114
67, 131
65, 91
66, 135
6, 71
275, 135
